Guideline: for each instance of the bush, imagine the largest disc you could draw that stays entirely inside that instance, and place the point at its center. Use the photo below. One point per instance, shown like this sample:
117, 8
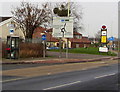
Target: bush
27, 50
3, 49
31, 50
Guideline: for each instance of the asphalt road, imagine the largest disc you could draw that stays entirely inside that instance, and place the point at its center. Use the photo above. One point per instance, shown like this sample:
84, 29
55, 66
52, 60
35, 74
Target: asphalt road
20, 66
102, 78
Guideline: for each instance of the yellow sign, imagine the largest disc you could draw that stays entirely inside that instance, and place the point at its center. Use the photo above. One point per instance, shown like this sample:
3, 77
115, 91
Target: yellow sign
103, 39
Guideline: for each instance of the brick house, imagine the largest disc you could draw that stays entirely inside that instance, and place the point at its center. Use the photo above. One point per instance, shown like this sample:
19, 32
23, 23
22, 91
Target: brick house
78, 41
51, 41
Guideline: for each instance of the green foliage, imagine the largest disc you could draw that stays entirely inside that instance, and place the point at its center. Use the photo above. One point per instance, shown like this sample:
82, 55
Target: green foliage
90, 50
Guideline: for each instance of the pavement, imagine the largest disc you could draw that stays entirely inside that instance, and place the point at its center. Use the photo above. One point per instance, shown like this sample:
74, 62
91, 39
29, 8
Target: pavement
73, 58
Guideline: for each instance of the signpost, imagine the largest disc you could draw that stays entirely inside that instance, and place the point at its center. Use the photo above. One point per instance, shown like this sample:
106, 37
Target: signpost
111, 41
63, 28
103, 48
44, 38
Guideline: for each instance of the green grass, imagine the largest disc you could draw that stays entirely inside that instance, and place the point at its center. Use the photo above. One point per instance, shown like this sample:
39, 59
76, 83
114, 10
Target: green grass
90, 50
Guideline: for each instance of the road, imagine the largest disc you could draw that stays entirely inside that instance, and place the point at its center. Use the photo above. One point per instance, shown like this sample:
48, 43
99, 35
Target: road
20, 66
101, 78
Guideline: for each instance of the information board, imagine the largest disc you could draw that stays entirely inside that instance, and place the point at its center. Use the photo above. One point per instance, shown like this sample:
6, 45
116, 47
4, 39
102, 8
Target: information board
63, 27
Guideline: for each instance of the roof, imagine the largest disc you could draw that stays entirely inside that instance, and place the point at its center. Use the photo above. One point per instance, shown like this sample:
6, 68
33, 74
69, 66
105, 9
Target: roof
76, 33
4, 18
79, 40
5, 21
39, 30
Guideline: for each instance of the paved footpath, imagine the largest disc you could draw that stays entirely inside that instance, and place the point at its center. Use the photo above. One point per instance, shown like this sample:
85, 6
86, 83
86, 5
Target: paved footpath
72, 58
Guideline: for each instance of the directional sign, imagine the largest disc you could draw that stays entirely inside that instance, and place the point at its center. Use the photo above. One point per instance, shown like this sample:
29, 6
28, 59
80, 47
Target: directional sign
111, 39
63, 27
44, 37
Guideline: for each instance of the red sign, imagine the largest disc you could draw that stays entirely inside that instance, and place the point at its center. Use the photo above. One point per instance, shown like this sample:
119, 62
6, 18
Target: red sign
103, 26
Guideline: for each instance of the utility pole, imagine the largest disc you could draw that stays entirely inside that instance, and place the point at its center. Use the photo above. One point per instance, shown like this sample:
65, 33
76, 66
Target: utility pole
67, 43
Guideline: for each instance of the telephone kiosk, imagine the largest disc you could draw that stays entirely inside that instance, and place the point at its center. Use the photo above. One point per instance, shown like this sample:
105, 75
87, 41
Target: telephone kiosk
12, 49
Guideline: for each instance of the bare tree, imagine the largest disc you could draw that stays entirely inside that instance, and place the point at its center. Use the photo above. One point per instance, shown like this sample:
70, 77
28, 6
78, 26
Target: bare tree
61, 9
30, 16
98, 35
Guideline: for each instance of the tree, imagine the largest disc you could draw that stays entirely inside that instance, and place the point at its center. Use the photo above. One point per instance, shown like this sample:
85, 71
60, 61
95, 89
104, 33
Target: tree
29, 16
98, 36
61, 9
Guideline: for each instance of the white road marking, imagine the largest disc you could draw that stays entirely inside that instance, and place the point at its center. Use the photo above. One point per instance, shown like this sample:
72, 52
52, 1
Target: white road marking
11, 80
62, 85
104, 75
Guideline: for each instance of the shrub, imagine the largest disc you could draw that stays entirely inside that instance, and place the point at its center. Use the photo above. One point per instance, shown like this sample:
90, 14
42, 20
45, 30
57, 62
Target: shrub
31, 50
3, 49
26, 50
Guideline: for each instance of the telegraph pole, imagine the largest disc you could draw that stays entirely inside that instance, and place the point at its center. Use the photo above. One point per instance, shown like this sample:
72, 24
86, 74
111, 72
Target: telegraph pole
67, 43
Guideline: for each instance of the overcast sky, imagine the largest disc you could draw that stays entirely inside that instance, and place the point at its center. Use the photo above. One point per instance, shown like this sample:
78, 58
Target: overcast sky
95, 14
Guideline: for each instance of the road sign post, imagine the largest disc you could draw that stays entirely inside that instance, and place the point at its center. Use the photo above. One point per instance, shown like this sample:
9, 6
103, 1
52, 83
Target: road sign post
44, 45
103, 48
111, 39
63, 28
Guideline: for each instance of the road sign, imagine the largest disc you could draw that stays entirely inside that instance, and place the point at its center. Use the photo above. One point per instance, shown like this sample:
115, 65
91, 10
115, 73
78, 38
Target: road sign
103, 39
111, 39
11, 31
103, 49
104, 32
63, 27
103, 26
44, 37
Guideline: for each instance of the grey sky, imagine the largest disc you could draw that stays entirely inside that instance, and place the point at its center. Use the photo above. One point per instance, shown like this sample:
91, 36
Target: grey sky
95, 14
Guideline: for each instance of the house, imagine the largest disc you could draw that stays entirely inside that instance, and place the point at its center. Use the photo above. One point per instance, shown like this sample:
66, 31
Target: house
5, 28
76, 42
51, 41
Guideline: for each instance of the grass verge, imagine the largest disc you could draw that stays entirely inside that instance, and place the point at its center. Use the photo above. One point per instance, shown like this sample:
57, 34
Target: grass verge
90, 50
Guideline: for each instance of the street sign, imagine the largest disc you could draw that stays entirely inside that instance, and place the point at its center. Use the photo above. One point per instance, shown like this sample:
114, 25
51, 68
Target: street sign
103, 49
103, 39
44, 37
11, 31
111, 39
63, 27
104, 32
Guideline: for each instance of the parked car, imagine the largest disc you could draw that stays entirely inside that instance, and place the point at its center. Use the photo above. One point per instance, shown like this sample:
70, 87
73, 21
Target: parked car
49, 48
